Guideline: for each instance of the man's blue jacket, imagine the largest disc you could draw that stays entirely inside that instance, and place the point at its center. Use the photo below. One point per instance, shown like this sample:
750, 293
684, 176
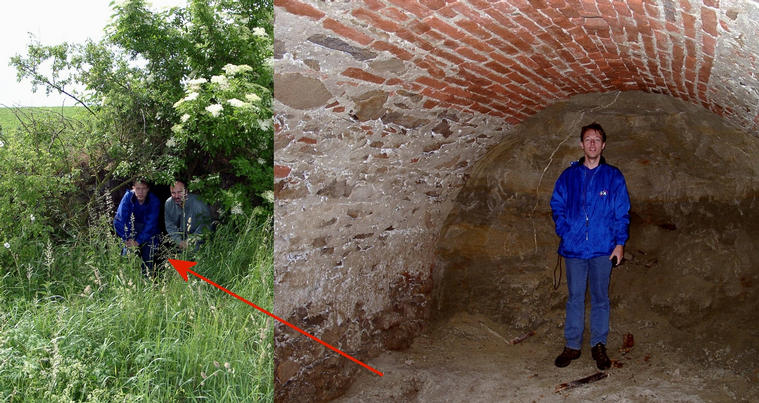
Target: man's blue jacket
145, 217
591, 210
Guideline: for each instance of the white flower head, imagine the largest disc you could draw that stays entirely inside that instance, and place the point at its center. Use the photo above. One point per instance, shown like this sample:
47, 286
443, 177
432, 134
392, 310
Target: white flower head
215, 109
171, 143
184, 118
236, 209
221, 80
196, 83
261, 161
177, 128
31, 217
191, 96
264, 124
252, 97
258, 31
232, 69
7, 245
237, 103
2, 144
268, 196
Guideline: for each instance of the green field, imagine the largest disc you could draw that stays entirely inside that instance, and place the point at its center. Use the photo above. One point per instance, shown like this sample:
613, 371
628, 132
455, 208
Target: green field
9, 116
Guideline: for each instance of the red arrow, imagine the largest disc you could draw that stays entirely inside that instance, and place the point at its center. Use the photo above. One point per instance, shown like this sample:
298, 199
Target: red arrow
183, 267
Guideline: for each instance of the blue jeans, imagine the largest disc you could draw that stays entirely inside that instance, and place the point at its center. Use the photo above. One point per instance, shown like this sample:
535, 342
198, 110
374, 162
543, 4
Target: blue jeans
147, 252
580, 273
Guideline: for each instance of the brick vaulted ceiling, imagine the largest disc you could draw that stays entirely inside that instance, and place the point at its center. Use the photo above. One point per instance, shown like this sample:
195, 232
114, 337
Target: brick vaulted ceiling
510, 59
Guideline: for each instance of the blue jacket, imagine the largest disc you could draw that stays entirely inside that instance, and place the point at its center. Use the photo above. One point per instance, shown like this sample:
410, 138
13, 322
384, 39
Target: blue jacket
145, 217
591, 210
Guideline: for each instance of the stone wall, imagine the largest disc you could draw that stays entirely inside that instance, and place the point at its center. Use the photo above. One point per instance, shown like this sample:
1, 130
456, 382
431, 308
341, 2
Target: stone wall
382, 107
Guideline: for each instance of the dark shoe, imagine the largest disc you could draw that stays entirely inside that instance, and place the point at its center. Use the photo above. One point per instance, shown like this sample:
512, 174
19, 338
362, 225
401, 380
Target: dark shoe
599, 354
566, 357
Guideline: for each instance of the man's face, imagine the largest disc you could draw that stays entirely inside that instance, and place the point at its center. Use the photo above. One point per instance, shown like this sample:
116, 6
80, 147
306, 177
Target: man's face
140, 191
178, 193
592, 144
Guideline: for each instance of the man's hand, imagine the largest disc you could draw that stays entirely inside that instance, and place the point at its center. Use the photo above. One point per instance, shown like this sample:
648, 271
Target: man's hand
183, 245
619, 252
130, 243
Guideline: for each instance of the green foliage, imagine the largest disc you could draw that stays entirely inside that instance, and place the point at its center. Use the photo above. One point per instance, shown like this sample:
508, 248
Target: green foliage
147, 64
39, 172
82, 324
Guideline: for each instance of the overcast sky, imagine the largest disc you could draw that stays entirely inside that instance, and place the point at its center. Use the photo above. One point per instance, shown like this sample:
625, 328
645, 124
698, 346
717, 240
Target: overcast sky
51, 22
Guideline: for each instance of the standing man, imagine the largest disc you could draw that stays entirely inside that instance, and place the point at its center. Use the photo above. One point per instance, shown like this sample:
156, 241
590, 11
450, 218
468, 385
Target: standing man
185, 215
590, 206
136, 222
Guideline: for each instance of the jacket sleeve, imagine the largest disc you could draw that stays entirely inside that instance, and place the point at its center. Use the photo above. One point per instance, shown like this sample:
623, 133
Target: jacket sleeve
151, 220
170, 219
621, 212
559, 206
122, 223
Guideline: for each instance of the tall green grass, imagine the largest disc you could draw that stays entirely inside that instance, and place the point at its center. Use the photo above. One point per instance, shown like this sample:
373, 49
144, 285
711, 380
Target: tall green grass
79, 322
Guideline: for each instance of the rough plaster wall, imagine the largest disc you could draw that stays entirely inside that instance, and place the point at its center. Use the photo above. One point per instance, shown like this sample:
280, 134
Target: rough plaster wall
383, 106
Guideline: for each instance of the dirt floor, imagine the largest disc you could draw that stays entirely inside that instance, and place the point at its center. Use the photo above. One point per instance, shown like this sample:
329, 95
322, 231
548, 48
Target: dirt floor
470, 358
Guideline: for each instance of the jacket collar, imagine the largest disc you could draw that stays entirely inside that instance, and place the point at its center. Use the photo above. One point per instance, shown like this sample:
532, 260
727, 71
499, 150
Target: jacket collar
581, 161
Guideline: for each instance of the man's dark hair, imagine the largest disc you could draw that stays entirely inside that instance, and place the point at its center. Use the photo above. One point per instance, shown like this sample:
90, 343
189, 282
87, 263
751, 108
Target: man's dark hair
182, 181
593, 126
141, 180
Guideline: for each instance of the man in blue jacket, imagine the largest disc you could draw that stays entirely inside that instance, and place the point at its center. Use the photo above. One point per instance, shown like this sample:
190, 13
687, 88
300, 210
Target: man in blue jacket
590, 207
136, 222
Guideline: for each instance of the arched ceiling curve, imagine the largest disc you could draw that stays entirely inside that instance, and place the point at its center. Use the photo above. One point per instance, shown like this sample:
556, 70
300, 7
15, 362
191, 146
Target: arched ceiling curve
510, 59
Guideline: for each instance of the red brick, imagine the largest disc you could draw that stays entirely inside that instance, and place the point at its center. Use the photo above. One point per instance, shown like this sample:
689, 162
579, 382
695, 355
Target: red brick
479, 4
473, 79
430, 66
339, 109
394, 14
685, 5
527, 23
504, 21
419, 27
394, 81
281, 171
450, 11
374, 4
429, 104
709, 21
473, 28
498, 68
401, 53
458, 92
298, 8
443, 27
409, 37
481, 108
375, 19
471, 55
448, 56
430, 82
413, 7
362, 75
346, 32
711, 3
621, 8
307, 140
637, 7
709, 44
